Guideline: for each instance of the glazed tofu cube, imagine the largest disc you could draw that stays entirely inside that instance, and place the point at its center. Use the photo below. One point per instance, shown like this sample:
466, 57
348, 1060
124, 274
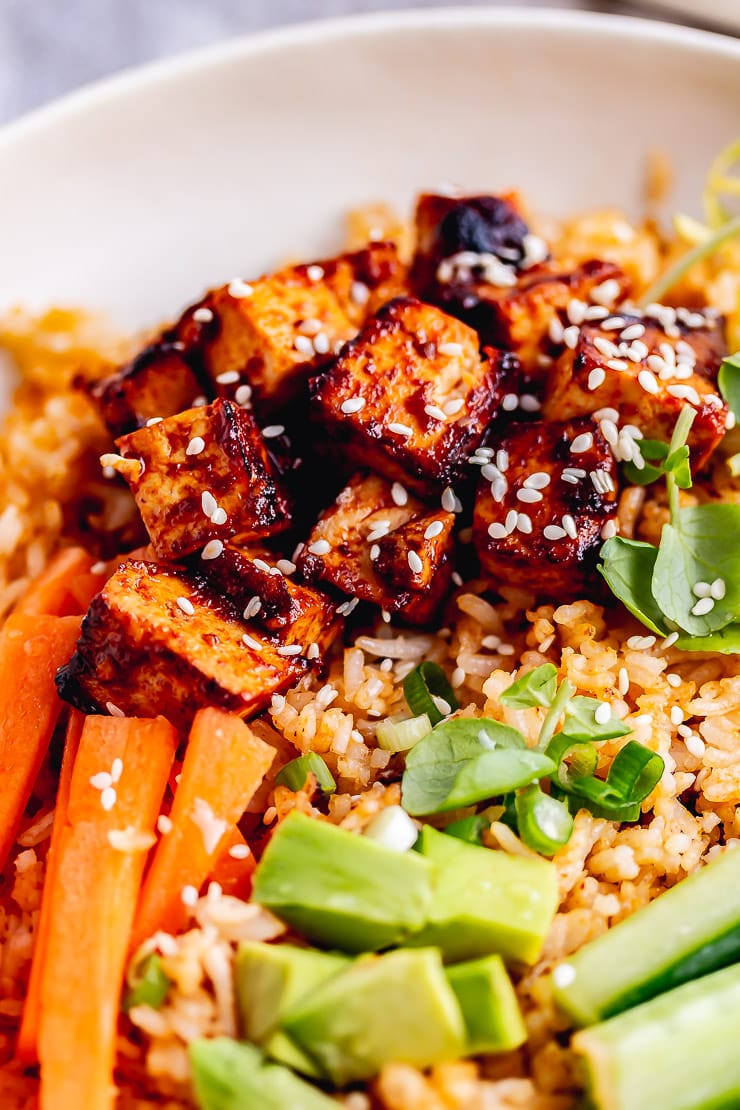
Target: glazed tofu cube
156, 640
379, 544
545, 507
411, 396
259, 584
463, 240
267, 336
201, 477
645, 376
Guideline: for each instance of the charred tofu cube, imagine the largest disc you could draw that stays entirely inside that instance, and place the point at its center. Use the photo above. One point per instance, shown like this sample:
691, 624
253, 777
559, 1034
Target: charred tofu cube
411, 396
201, 477
461, 239
645, 376
267, 336
156, 640
379, 544
260, 586
545, 507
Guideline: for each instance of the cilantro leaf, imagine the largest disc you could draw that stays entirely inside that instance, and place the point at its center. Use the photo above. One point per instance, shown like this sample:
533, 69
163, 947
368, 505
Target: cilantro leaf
538, 687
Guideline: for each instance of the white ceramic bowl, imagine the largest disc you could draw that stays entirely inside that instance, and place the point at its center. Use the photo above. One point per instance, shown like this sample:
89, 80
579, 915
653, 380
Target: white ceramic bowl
137, 193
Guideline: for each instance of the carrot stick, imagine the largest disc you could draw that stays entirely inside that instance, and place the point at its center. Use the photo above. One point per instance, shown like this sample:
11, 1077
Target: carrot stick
223, 767
233, 873
27, 1044
95, 884
65, 587
32, 648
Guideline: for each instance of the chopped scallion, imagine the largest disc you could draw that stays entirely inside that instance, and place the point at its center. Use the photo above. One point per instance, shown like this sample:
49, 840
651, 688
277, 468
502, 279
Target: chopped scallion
150, 985
400, 736
423, 686
545, 824
295, 774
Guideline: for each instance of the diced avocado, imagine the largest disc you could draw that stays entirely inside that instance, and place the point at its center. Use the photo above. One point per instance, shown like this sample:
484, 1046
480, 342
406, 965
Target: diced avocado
678, 1050
341, 889
493, 1020
688, 931
486, 901
270, 978
397, 1007
232, 1076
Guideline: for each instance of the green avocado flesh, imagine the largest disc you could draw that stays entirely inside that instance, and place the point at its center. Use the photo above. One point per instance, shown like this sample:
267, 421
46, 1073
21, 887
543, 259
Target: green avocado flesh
340, 889
485, 901
270, 978
676, 1052
232, 1076
690, 930
398, 1007
493, 1020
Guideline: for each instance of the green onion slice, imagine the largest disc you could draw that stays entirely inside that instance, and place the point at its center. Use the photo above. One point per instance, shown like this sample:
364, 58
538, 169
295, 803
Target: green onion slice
469, 828
149, 984
420, 688
703, 250
544, 823
634, 773
295, 774
575, 759
401, 735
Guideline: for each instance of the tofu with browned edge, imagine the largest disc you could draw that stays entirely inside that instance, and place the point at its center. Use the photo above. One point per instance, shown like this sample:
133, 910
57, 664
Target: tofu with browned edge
646, 376
378, 543
544, 509
200, 478
411, 396
156, 640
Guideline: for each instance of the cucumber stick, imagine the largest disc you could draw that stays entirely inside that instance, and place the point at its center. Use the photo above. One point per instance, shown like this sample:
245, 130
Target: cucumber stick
676, 1052
689, 931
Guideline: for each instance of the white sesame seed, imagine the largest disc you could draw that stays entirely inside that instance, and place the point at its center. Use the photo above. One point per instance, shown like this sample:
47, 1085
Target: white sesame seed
380, 529
510, 402
108, 798
529, 403
648, 381
499, 487
189, 895
623, 681
502, 458
569, 525
253, 607
676, 715
701, 589
456, 578
208, 503
670, 640
203, 315
114, 709
458, 677
673, 680
556, 330
703, 606
240, 851
554, 532
605, 347
286, 566
511, 521
399, 494
613, 323
243, 395
539, 480
606, 414
497, 531
450, 502
186, 605
617, 364
641, 643
250, 641
450, 350
400, 429
524, 523
609, 530
304, 345
506, 649
348, 607
289, 649
602, 713
415, 563
596, 378
632, 331
116, 769
239, 289
229, 377
154, 420
310, 326
491, 642
610, 431
576, 311
319, 547
606, 293
528, 496
582, 442
272, 431
695, 745
354, 404
322, 344
196, 445
718, 589
374, 552
435, 411
212, 550
453, 407
490, 472
102, 780
570, 478
314, 273
571, 335
684, 393
385, 615
434, 529
359, 293
164, 824
199, 401
262, 565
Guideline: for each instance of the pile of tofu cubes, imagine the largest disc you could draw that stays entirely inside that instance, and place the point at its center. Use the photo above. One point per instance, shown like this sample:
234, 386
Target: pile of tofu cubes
319, 438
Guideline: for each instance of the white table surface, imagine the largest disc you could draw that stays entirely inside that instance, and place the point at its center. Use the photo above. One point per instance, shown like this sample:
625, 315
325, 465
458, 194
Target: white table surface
48, 47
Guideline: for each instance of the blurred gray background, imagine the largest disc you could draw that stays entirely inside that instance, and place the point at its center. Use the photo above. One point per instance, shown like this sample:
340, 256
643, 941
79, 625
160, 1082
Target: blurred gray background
48, 47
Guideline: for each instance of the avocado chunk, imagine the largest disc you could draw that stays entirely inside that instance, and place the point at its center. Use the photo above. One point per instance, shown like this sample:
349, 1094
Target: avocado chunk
340, 889
232, 1076
493, 1020
678, 1050
270, 978
396, 1007
486, 901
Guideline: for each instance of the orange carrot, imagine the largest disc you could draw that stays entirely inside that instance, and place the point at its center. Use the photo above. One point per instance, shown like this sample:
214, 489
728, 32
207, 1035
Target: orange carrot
65, 587
118, 782
32, 648
233, 872
27, 1045
224, 765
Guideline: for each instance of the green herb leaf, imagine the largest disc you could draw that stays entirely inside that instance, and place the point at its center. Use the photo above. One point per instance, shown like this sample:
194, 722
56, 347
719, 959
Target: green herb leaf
538, 687
295, 774
627, 566
420, 688
469, 828
698, 547
544, 823
728, 381
678, 465
634, 773
653, 452
726, 641
580, 722
465, 761
151, 985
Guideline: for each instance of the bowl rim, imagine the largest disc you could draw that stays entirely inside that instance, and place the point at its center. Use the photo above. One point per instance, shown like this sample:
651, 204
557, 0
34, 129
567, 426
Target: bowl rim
161, 72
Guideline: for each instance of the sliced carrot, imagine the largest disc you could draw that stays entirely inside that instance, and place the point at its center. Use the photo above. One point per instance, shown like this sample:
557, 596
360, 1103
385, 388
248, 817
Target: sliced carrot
27, 1044
95, 884
65, 587
223, 767
32, 648
233, 873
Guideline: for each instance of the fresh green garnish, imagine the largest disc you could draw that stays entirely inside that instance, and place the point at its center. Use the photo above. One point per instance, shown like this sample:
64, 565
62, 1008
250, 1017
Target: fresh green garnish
582, 721
545, 824
423, 688
705, 249
537, 687
400, 735
149, 985
720, 182
728, 381
634, 773
469, 829
659, 461
295, 774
